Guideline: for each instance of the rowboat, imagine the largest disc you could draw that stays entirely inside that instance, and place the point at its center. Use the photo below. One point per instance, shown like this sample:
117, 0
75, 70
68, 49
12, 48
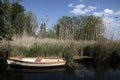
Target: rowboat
36, 62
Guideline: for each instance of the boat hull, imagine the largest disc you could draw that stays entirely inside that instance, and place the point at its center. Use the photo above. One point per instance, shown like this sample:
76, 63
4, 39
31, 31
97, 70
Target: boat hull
34, 64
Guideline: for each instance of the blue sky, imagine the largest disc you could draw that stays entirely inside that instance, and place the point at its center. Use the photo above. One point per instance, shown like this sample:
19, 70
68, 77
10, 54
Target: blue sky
55, 9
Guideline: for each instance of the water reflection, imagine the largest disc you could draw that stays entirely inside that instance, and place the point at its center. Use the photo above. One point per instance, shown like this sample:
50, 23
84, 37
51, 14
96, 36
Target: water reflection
80, 72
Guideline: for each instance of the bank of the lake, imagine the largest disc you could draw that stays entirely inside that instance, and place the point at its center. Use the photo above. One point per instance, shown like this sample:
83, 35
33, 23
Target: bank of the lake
100, 51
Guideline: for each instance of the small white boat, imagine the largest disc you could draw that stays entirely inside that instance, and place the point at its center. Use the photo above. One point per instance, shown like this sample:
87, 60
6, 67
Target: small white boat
36, 62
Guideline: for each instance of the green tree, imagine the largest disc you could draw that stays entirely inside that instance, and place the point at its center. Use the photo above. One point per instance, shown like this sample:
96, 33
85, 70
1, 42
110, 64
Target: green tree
92, 28
57, 29
14, 20
17, 17
64, 28
21, 21
31, 23
42, 32
51, 34
79, 27
5, 20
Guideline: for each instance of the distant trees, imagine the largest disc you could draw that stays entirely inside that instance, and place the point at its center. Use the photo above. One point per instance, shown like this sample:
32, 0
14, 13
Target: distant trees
92, 29
30, 24
79, 28
42, 33
42, 30
64, 28
14, 19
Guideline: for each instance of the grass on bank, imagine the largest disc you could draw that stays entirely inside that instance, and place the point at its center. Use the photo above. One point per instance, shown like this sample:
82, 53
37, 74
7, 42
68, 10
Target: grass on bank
34, 47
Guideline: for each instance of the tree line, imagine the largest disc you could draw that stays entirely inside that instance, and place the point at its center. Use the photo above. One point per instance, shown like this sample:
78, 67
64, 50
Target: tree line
14, 20
78, 28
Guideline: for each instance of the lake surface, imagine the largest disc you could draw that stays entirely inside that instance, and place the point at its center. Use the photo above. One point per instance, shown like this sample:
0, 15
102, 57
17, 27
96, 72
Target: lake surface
80, 72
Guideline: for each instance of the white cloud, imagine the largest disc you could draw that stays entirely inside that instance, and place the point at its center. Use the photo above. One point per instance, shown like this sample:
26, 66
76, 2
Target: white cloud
82, 9
71, 5
91, 7
107, 12
109, 17
100, 14
80, 6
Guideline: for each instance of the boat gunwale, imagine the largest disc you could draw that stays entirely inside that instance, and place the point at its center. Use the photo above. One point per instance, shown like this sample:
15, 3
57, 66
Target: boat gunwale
37, 62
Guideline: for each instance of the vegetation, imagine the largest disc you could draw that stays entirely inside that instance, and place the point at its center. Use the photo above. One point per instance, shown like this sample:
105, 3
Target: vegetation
101, 52
44, 47
14, 20
5, 27
78, 28
70, 36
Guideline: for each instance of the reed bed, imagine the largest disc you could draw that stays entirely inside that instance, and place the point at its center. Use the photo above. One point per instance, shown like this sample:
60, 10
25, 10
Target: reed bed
28, 41
35, 47
27, 46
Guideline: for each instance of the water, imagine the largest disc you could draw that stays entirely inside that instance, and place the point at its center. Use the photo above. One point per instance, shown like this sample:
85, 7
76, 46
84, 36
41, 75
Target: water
80, 72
